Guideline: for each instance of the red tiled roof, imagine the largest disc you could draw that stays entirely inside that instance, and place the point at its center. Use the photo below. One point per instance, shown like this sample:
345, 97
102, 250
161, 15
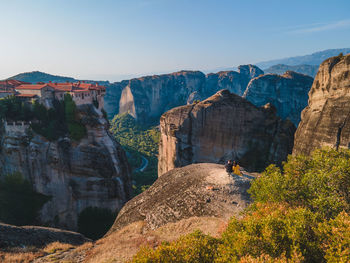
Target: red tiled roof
26, 95
7, 91
31, 86
63, 87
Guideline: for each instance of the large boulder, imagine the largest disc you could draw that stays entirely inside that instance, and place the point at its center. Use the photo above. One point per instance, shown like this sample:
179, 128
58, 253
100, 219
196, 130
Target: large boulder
224, 126
198, 190
326, 119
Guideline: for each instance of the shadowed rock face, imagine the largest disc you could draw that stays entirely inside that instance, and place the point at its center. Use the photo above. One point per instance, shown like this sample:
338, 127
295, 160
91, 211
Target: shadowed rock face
224, 126
33, 236
147, 98
326, 119
287, 92
198, 190
76, 175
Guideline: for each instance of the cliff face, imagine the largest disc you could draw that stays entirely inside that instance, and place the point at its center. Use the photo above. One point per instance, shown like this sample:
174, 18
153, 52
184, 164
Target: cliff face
287, 92
224, 126
148, 97
326, 119
76, 175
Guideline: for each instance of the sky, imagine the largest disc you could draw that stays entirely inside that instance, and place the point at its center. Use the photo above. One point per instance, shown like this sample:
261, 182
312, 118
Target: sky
118, 39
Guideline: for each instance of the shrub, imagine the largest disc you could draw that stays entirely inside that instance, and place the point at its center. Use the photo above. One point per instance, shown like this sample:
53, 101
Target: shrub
94, 222
195, 247
320, 182
276, 230
19, 203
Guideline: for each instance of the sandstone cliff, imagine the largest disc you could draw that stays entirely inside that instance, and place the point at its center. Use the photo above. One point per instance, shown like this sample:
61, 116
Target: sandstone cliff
287, 92
326, 119
147, 98
224, 126
76, 175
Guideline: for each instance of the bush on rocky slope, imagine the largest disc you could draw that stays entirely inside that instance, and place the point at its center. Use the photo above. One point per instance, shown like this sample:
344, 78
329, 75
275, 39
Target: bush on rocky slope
300, 214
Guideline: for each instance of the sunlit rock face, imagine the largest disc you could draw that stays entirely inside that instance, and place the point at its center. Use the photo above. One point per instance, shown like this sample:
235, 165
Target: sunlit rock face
75, 175
224, 126
287, 92
326, 119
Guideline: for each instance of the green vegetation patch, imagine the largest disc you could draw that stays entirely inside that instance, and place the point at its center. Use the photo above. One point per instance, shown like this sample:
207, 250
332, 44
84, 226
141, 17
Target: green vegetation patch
59, 121
19, 203
138, 140
300, 213
94, 222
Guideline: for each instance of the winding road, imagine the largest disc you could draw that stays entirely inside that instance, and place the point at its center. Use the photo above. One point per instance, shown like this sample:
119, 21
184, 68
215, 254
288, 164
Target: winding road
143, 166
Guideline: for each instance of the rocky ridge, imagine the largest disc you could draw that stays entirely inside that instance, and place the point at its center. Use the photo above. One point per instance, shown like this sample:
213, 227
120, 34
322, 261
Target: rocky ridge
148, 97
287, 92
326, 119
224, 126
75, 175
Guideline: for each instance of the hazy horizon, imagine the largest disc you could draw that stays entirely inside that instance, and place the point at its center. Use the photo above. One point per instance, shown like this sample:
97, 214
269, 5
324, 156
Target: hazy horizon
114, 40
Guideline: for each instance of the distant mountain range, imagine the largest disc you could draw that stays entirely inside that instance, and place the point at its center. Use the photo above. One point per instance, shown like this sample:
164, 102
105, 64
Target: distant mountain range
280, 69
38, 76
313, 59
307, 64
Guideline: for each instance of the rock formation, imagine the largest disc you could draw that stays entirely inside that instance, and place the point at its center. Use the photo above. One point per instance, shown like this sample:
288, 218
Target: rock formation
147, 98
34, 236
287, 92
76, 175
198, 190
224, 126
326, 119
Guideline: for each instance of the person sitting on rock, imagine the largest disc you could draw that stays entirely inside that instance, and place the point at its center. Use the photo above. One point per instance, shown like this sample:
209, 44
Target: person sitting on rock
228, 167
236, 169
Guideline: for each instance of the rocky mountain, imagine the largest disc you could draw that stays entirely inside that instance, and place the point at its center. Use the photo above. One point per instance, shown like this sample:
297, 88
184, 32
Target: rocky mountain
326, 119
75, 175
38, 76
280, 69
224, 126
313, 59
287, 92
147, 98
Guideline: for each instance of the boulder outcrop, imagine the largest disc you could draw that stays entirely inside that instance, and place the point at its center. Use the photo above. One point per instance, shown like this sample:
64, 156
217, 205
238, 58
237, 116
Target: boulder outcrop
75, 175
35, 236
224, 126
198, 190
287, 92
326, 119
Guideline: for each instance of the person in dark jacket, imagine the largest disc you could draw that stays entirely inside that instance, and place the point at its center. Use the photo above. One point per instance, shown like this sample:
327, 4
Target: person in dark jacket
228, 166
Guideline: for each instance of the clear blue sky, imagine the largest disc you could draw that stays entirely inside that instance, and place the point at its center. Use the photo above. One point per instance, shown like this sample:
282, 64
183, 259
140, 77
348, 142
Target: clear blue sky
108, 39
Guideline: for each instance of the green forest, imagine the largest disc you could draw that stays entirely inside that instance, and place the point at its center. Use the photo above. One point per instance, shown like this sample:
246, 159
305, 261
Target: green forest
300, 213
138, 140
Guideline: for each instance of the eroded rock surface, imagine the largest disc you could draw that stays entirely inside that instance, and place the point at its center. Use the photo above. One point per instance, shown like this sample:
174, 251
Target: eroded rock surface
76, 175
287, 92
224, 126
198, 190
34, 236
326, 119
147, 98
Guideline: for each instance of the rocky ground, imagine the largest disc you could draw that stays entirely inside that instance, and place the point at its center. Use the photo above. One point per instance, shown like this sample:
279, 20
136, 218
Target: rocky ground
199, 196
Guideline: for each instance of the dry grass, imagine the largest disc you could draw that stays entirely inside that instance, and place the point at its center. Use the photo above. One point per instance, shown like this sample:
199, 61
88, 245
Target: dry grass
122, 245
20, 255
57, 247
